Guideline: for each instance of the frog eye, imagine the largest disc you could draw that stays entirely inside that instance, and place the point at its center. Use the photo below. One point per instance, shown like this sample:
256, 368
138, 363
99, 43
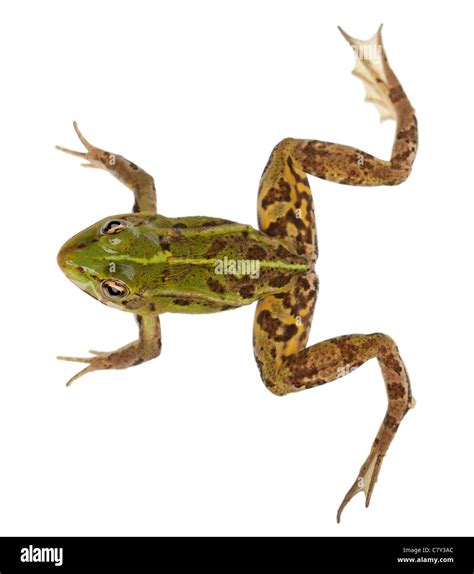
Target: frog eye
113, 227
114, 289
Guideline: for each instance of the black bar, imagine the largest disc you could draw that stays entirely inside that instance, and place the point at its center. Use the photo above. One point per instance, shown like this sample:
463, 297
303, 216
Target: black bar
414, 554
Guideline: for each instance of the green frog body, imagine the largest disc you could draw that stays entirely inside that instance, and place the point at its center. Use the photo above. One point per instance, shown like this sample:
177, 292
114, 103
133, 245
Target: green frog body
149, 264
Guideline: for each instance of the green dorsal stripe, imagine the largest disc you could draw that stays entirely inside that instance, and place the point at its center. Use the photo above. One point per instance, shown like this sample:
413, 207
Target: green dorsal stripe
161, 257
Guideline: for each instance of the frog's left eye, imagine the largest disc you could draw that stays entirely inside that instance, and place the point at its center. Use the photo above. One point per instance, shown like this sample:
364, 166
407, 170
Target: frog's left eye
113, 227
114, 289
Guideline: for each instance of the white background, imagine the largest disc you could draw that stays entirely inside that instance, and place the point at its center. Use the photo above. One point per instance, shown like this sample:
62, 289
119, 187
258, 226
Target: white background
192, 443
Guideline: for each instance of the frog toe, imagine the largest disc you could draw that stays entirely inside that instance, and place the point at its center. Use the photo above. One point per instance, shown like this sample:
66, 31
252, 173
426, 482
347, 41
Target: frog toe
85, 143
99, 362
72, 152
88, 369
94, 156
75, 359
364, 482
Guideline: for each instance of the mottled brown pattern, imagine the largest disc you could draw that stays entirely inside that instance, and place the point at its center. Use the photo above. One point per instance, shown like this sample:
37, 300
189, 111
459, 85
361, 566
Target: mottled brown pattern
256, 252
287, 213
396, 94
277, 330
216, 247
410, 133
395, 391
301, 295
247, 291
215, 286
390, 422
182, 302
393, 363
279, 280
275, 194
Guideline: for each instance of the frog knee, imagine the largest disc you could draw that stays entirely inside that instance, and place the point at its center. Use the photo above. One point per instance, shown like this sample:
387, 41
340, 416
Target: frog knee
284, 145
380, 335
277, 389
275, 385
383, 340
399, 175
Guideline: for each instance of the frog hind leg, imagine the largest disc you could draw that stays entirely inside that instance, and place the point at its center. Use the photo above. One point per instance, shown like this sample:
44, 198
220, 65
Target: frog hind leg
287, 366
139, 181
147, 347
345, 164
282, 321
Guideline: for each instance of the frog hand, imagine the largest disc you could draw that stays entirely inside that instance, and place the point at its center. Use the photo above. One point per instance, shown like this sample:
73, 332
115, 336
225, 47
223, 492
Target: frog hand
127, 172
127, 356
95, 157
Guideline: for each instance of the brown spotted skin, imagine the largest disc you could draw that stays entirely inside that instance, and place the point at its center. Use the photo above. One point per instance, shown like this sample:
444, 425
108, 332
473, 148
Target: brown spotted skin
285, 204
285, 210
174, 271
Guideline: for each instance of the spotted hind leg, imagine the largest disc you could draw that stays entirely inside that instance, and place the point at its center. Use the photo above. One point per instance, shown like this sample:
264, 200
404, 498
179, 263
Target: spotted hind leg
351, 166
285, 210
284, 371
285, 206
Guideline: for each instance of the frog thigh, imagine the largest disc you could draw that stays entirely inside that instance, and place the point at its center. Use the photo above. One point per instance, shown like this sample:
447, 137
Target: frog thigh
285, 204
281, 327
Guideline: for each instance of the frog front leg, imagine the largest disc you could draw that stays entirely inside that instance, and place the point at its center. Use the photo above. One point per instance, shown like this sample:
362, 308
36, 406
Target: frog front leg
135, 178
148, 344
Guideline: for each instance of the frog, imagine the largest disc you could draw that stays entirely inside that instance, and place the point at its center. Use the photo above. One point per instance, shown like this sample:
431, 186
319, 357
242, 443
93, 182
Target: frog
147, 264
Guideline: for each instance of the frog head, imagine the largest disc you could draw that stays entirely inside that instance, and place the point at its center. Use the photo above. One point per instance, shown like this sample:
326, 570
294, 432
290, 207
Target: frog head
107, 259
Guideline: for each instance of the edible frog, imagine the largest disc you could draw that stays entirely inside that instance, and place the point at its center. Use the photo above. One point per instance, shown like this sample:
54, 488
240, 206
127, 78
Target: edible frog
148, 264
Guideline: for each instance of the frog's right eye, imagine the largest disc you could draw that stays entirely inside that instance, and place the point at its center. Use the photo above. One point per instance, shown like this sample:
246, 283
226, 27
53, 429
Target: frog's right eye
114, 288
113, 227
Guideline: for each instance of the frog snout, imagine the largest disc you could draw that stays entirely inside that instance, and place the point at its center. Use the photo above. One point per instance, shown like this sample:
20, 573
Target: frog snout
67, 257
64, 257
